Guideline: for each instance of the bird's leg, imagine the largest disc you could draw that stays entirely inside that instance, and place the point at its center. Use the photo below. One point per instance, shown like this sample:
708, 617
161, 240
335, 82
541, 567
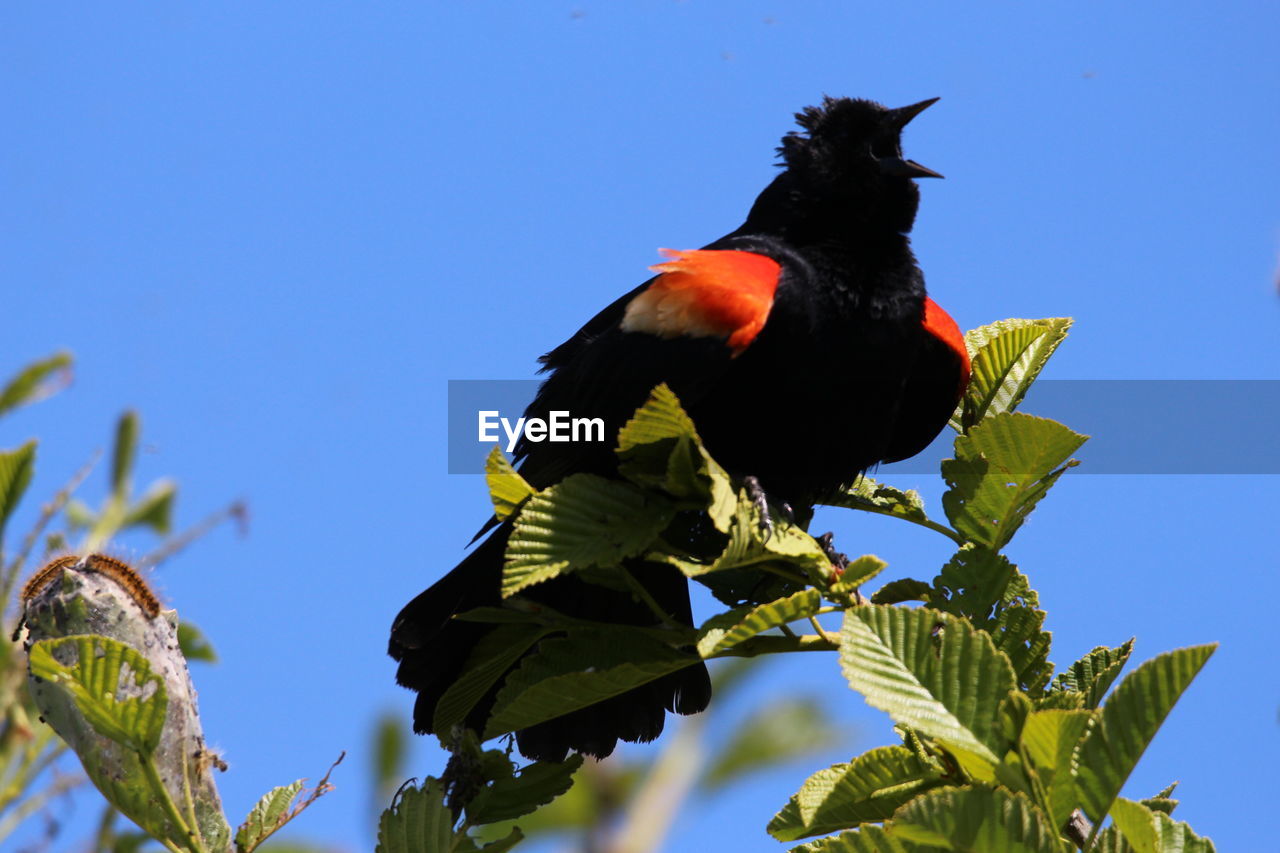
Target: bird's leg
758, 497
839, 561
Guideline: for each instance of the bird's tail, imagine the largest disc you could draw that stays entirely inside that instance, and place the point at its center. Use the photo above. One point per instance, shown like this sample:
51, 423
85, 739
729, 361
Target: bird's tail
432, 648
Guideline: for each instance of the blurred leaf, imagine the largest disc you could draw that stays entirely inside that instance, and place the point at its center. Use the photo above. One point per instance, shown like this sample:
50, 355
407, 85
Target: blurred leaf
123, 453
507, 488
577, 670
16, 469
869, 788
532, 786
389, 753
950, 690
780, 732
1128, 721
270, 813
866, 839
79, 515
154, 509
584, 520
194, 644
417, 822
1006, 358
977, 818
36, 381
1002, 468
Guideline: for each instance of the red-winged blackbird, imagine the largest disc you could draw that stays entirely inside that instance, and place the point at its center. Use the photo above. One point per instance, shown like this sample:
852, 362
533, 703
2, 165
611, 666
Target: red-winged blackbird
806, 351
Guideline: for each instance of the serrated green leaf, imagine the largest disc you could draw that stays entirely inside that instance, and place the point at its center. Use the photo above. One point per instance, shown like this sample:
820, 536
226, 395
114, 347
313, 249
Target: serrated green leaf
1002, 468
867, 839
1094, 673
580, 669
1017, 633
977, 819
16, 469
507, 489
269, 814
972, 583
123, 453
194, 644
1128, 721
871, 496
417, 822
1049, 739
1176, 837
855, 574
869, 788
584, 520
154, 509
492, 657
111, 684
728, 630
35, 382
514, 837
532, 786
780, 732
931, 672
1006, 359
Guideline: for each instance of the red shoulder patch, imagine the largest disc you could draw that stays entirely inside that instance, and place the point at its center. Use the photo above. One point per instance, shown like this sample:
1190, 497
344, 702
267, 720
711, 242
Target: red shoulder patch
707, 293
939, 324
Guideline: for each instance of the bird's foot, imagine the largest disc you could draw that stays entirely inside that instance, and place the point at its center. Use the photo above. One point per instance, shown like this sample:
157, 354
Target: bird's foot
758, 497
839, 562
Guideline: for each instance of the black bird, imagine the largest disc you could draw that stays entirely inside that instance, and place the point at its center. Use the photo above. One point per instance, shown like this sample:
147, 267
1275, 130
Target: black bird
805, 349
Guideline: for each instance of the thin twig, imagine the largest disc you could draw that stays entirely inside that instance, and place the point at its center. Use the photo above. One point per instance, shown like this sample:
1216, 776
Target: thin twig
237, 510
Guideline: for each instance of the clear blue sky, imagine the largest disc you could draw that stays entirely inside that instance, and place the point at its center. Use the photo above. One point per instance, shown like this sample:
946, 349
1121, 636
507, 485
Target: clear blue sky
279, 229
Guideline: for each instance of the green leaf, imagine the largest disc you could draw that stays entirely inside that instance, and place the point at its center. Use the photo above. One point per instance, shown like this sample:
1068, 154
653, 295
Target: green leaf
16, 468
194, 644
124, 453
1136, 823
491, 658
1176, 837
1003, 467
36, 381
977, 819
659, 448
389, 752
729, 629
506, 843
949, 687
871, 496
154, 509
532, 786
417, 822
854, 575
507, 489
972, 583
869, 788
904, 589
748, 547
1094, 673
577, 670
124, 705
780, 732
1049, 739
867, 839
1017, 632
1128, 721
1006, 358
584, 520
268, 815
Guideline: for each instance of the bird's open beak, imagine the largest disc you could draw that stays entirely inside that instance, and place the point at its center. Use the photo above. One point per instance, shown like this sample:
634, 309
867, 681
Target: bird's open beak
898, 119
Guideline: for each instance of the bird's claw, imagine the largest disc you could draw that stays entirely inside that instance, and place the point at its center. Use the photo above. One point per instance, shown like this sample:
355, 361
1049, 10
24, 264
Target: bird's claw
761, 501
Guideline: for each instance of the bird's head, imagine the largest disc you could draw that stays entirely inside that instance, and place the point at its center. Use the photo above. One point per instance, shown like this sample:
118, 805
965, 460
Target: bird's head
845, 166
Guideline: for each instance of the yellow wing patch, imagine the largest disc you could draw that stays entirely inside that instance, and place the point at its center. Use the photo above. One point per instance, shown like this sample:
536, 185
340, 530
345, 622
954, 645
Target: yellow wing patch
707, 293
